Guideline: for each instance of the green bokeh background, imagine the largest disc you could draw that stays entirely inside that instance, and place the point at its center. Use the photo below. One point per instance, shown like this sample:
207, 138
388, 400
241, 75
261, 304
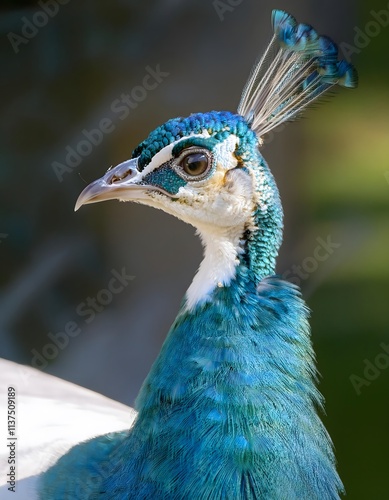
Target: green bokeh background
332, 169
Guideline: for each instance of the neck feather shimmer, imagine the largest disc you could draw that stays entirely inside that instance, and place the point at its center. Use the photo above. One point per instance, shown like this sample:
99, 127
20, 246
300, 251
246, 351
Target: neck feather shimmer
228, 409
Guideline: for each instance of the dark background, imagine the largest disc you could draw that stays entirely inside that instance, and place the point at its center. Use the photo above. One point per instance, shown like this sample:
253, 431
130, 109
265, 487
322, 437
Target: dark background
332, 169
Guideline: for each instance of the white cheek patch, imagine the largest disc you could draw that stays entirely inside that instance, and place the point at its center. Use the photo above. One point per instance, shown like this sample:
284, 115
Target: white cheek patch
224, 152
165, 154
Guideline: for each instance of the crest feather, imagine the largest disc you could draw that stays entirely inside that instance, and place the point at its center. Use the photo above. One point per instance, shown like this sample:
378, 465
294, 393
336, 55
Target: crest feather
297, 67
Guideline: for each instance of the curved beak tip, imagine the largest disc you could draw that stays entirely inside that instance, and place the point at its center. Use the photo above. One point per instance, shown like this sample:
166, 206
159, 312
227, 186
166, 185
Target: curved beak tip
85, 197
94, 192
78, 204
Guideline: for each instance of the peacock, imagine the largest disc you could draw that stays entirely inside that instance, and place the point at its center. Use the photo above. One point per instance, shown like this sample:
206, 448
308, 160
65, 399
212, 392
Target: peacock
230, 407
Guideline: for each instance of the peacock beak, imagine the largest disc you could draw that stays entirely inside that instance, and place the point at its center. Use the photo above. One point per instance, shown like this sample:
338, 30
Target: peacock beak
122, 182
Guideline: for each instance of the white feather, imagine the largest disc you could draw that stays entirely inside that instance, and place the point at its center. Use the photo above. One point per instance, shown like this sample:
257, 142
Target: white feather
217, 268
52, 415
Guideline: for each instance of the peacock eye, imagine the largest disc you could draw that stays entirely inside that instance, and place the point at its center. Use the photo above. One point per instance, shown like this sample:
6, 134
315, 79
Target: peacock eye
195, 164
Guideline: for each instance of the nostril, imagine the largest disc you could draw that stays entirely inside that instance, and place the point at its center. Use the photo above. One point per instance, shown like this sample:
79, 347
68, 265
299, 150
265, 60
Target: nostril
119, 177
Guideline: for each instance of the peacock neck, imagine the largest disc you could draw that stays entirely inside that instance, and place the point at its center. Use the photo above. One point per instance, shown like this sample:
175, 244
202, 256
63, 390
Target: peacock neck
249, 248
252, 245
246, 327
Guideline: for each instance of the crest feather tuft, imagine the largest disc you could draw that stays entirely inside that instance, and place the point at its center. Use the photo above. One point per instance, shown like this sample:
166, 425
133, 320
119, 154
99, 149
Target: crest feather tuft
297, 67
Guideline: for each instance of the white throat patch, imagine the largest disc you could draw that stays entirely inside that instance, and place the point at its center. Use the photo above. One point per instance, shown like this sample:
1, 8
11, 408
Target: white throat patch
218, 267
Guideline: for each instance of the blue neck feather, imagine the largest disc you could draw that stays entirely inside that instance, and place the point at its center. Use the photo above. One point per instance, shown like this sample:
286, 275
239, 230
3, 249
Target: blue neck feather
264, 241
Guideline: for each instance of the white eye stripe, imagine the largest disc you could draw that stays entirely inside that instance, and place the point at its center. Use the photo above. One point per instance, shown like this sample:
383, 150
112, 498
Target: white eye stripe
165, 154
222, 155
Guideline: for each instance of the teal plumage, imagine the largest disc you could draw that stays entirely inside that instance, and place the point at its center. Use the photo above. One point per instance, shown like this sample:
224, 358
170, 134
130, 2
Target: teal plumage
192, 433
229, 408
201, 439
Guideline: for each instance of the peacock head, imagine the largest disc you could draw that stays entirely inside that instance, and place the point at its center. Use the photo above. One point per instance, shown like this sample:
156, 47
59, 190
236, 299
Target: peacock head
199, 169
207, 169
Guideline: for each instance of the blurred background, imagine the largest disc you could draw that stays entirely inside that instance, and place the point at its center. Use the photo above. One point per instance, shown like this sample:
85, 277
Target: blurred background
64, 68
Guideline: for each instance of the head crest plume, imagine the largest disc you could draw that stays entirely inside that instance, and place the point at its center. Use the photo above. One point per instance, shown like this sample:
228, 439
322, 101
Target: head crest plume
297, 67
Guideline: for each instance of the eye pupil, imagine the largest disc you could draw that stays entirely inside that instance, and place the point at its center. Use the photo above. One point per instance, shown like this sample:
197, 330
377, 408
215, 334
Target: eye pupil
195, 163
